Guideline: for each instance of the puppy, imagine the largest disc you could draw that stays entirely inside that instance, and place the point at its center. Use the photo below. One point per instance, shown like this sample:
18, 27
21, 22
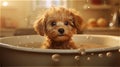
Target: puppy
58, 24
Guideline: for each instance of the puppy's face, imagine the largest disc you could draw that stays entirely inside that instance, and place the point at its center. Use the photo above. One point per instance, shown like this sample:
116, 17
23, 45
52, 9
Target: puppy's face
60, 30
58, 24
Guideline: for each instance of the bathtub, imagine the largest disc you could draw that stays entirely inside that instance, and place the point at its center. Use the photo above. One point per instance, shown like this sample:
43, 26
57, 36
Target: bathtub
12, 54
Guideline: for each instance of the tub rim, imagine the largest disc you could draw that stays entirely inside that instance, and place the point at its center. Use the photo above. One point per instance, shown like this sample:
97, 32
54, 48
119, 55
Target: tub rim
60, 50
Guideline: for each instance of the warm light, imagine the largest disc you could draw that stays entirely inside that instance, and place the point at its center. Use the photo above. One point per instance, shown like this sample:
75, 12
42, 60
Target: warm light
5, 3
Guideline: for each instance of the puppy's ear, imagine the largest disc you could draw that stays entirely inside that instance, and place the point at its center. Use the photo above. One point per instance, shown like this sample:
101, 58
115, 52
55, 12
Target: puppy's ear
78, 22
39, 26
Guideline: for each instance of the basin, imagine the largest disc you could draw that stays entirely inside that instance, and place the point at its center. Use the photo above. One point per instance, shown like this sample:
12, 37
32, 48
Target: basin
26, 51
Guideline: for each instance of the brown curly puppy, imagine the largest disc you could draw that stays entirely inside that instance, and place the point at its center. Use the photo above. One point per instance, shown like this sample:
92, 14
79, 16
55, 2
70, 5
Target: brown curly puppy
58, 24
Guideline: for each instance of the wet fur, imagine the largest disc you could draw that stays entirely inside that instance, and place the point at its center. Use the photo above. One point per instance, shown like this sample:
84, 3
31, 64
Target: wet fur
60, 16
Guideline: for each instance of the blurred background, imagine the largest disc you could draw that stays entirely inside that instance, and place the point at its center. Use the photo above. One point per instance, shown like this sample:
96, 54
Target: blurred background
100, 16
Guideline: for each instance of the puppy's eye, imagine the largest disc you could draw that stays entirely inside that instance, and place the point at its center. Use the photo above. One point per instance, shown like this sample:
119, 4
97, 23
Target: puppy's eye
53, 23
66, 23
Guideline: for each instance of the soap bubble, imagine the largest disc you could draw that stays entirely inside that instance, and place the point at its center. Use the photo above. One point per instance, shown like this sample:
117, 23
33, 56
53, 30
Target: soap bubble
77, 58
88, 58
92, 53
88, 37
82, 51
100, 55
56, 57
118, 50
108, 54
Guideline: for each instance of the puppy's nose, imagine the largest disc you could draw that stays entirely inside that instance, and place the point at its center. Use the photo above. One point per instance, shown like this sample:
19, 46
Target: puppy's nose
61, 30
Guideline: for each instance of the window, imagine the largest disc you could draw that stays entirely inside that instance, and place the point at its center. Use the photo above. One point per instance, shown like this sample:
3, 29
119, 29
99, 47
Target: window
48, 3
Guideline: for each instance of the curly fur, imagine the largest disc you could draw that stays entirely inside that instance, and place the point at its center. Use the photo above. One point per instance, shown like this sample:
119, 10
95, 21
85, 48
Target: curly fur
58, 24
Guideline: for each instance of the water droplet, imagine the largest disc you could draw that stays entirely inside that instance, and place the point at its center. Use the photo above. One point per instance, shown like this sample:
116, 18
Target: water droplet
100, 55
77, 58
118, 50
88, 37
108, 54
88, 58
56, 57
82, 51
92, 53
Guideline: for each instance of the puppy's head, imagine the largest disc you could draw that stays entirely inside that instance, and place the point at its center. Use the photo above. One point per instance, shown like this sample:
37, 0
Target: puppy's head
58, 24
